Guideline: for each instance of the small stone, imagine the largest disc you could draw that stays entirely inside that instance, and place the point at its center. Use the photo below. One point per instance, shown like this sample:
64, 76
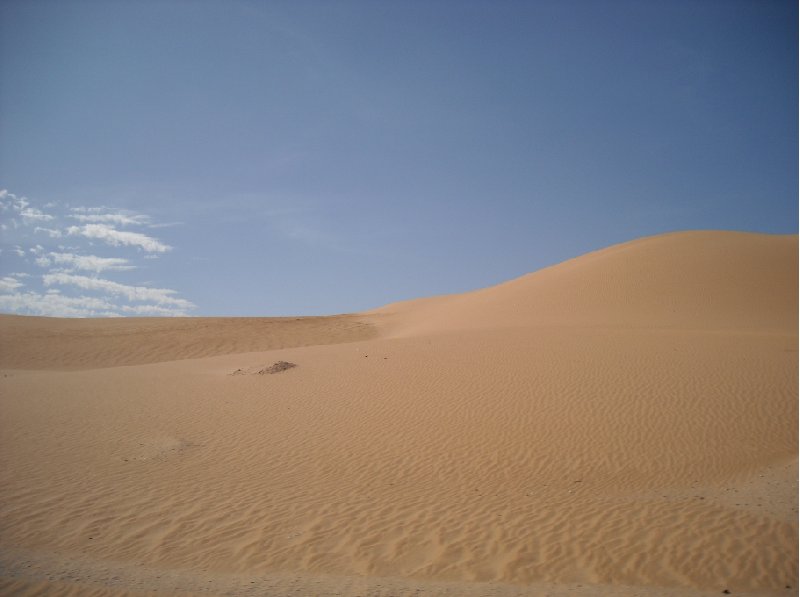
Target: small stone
277, 367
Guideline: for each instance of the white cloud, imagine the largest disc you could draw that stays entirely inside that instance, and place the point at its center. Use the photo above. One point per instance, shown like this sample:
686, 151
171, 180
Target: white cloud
152, 310
117, 238
91, 263
51, 232
31, 214
62, 290
21, 207
161, 296
9, 284
112, 218
54, 304
165, 225
89, 210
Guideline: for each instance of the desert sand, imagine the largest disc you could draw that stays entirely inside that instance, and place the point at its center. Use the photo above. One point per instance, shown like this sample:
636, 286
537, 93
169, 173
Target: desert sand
623, 423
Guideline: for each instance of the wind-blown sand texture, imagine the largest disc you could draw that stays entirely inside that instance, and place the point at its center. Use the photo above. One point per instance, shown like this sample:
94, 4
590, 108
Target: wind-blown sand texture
624, 423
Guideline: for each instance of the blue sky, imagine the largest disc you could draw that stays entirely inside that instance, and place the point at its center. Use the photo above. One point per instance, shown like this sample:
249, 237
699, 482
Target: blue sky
279, 158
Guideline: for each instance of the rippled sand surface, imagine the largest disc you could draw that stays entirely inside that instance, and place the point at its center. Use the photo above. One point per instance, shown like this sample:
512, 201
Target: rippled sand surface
624, 423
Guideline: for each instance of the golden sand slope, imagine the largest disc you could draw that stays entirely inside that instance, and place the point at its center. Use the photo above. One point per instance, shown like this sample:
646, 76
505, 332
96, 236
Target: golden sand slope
688, 280
631, 434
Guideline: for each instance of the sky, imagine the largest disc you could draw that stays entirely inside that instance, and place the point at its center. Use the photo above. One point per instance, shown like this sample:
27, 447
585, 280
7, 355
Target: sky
234, 158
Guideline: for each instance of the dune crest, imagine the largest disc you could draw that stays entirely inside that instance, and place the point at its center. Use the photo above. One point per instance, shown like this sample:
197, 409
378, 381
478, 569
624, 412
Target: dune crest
691, 280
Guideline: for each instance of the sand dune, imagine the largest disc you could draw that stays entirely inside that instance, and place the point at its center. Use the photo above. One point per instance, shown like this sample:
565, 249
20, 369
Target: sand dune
624, 423
688, 280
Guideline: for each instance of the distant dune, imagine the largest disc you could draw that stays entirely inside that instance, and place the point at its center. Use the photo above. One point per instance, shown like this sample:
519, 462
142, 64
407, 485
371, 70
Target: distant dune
623, 423
50, 343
